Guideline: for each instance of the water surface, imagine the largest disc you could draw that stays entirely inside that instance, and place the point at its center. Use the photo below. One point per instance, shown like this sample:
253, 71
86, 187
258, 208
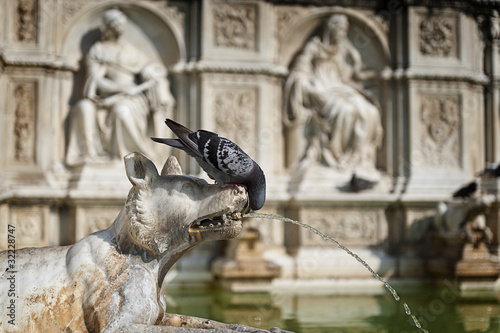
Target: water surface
439, 309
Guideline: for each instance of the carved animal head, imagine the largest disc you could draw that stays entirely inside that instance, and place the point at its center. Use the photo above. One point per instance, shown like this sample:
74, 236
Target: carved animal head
171, 211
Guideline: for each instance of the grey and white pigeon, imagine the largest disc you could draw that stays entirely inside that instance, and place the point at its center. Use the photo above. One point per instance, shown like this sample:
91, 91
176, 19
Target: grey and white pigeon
221, 159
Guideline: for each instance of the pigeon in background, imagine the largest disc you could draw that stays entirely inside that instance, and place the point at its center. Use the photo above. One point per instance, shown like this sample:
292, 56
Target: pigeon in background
358, 184
221, 159
493, 171
466, 191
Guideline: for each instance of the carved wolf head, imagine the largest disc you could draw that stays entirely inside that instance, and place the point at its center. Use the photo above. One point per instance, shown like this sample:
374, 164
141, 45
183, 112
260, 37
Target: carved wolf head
169, 211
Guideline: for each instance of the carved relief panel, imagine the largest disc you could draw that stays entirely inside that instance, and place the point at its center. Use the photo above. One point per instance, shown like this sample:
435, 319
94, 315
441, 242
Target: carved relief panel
234, 25
237, 30
437, 36
31, 225
24, 122
349, 227
92, 219
26, 19
235, 115
440, 124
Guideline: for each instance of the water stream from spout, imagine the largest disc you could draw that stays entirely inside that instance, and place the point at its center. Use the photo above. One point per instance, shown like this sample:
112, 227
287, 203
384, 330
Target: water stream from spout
352, 254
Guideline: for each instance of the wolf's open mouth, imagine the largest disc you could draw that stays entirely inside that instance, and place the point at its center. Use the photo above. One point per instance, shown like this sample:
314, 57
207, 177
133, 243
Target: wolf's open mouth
217, 221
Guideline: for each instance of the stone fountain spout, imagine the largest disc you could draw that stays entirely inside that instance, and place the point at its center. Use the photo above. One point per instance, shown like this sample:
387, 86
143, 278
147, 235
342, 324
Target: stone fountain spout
110, 281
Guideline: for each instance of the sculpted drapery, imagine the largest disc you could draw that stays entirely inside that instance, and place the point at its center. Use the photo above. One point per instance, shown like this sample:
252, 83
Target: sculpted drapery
342, 126
124, 92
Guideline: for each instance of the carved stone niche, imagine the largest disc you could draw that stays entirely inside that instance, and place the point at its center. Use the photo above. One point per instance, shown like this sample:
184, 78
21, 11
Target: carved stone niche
319, 134
153, 31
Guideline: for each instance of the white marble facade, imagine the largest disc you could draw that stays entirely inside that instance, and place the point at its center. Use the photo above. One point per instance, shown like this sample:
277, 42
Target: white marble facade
405, 96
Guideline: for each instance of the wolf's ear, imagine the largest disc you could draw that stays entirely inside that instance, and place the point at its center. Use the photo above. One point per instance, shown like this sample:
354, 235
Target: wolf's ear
171, 167
140, 170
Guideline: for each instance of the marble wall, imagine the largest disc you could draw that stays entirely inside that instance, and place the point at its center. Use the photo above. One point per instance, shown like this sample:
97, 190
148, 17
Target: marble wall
401, 94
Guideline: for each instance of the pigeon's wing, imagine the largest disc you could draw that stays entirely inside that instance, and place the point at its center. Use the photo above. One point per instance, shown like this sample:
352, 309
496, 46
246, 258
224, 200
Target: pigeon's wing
232, 160
223, 154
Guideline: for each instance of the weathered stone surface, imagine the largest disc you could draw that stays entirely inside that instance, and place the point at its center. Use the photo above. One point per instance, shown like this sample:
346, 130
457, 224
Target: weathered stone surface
109, 281
421, 116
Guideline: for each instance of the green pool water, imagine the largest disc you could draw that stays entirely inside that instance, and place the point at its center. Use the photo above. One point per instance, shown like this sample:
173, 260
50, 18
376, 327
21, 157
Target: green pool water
439, 309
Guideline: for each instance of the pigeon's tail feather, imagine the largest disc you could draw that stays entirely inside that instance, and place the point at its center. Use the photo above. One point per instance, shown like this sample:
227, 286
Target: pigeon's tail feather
178, 129
170, 142
185, 135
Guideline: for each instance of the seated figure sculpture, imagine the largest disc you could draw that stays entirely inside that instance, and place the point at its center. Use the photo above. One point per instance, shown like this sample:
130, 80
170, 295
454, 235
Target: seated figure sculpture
110, 280
125, 94
341, 125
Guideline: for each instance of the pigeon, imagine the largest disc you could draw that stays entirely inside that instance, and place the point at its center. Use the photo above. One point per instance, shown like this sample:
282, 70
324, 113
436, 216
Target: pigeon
358, 184
493, 171
466, 191
221, 159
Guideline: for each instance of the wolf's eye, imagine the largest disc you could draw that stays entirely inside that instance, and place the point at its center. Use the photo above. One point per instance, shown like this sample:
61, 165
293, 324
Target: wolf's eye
188, 188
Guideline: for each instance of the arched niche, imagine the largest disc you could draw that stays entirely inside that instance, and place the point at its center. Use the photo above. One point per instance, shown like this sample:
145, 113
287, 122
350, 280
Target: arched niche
364, 32
150, 31
369, 39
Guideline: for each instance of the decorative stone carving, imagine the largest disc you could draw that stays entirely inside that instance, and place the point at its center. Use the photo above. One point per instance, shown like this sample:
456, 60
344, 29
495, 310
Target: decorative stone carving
235, 116
348, 227
494, 21
235, 26
111, 279
29, 223
342, 125
464, 216
440, 131
284, 16
173, 14
437, 36
24, 122
116, 113
244, 266
26, 20
381, 20
96, 218
70, 8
